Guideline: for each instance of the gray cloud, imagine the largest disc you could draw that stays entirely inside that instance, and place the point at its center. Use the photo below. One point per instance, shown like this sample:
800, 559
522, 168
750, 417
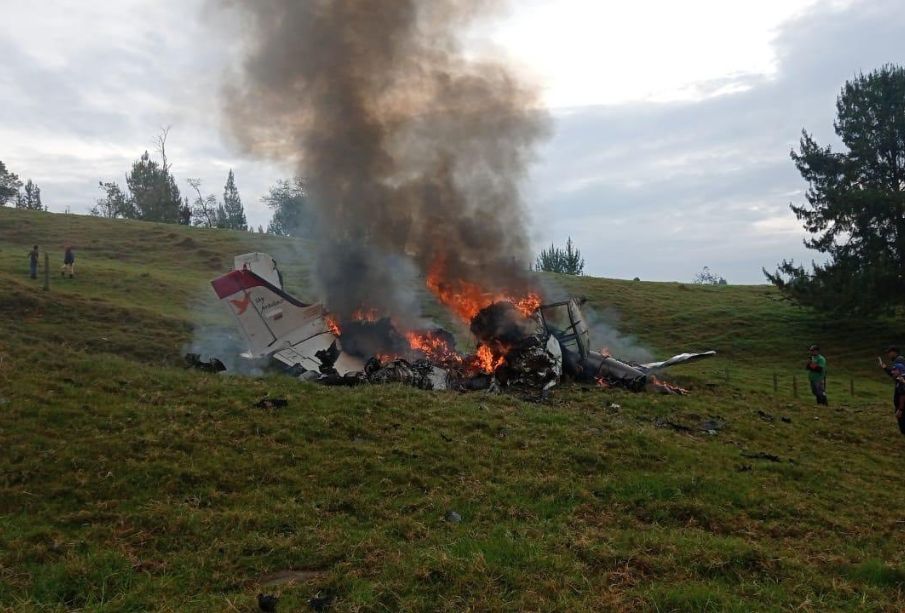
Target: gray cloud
88, 85
654, 190
661, 190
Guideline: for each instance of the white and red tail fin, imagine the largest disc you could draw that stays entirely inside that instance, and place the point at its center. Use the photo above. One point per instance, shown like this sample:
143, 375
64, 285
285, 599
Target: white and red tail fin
276, 324
269, 318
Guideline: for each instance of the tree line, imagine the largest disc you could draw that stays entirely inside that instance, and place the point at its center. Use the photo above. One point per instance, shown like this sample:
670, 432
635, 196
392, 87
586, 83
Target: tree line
152, 194
22, 195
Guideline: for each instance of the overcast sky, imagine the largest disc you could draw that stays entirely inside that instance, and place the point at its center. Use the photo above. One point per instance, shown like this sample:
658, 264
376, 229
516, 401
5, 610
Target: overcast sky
673, 120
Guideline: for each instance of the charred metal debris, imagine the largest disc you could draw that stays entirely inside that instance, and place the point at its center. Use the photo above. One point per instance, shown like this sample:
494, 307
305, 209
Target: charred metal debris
521, 344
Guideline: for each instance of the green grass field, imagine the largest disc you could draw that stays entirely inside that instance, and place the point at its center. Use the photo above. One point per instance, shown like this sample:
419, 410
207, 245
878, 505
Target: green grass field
128, 483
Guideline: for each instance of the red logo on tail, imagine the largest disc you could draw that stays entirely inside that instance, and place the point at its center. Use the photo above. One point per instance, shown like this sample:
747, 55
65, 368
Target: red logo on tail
241, 305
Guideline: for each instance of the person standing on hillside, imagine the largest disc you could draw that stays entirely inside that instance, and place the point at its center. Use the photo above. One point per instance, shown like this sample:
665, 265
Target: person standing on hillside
894, 357
33, 262
68, 263
816, 367
897, 371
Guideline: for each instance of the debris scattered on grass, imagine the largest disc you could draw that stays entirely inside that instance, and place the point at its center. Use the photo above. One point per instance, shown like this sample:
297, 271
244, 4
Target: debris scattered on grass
193, 360
271, 403
787, 420
268, 602
765, 416
321, 601
744, 468
453, 517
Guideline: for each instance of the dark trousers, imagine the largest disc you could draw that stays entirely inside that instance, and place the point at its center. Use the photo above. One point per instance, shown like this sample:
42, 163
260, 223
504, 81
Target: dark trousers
33, 267
895, 408
818, 388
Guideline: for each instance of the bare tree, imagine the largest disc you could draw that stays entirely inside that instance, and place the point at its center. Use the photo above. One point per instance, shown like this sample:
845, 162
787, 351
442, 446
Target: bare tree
204, 210
162, 146
708, 277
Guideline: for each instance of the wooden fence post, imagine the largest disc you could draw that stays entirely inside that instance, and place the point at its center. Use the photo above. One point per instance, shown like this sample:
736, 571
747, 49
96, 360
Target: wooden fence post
775, 383
46, 271
795, 386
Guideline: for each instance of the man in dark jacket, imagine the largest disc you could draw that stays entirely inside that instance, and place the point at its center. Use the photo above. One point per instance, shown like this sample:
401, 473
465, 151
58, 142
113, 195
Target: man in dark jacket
896, 370
816, 367
68, 263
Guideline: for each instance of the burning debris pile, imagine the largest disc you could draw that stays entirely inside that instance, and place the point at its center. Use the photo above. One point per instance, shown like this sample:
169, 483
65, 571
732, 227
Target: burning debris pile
513, 350
413, 151
520, 343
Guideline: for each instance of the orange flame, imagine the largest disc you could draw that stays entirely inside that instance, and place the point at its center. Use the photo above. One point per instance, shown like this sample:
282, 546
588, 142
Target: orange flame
487, 361
366, 314
434, 346
333, 325
665, 387
467, 299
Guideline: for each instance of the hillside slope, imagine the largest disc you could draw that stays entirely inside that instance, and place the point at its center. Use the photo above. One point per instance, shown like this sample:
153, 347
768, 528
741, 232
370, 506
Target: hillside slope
129, 483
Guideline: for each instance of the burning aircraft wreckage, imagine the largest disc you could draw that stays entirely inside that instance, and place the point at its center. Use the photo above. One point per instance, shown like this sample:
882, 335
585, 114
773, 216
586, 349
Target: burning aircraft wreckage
521, 342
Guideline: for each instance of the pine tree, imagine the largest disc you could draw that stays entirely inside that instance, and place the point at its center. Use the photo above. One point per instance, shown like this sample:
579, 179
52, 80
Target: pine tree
222, 218
566, 261
232, 205
855, 203
154, 192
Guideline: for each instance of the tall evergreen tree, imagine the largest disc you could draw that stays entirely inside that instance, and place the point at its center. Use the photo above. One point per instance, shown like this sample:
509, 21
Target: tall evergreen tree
154, 192
232, 204
855, 207
9, 185
222, 217
566, 261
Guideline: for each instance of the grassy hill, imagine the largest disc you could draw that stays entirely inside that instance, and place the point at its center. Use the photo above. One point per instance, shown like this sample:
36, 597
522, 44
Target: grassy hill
130, 484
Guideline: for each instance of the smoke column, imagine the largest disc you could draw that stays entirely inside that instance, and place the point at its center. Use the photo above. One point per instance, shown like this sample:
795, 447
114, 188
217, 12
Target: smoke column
410, 149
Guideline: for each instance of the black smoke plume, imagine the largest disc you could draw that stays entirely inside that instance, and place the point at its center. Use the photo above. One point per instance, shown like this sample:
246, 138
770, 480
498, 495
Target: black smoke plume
410, 147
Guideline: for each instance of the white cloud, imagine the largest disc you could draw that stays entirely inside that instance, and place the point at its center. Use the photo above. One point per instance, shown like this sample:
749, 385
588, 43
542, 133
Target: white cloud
610, 51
